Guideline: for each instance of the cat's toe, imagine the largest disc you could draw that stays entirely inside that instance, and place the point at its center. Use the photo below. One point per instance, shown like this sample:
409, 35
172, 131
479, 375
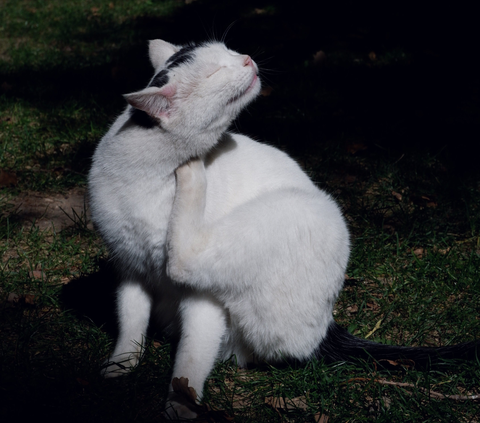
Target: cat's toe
176, 270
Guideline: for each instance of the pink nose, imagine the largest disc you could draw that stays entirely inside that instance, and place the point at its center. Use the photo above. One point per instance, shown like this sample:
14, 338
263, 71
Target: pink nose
248, 61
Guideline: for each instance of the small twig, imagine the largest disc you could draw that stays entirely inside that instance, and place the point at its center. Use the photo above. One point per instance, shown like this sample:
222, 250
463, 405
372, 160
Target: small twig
430, 393
400, 158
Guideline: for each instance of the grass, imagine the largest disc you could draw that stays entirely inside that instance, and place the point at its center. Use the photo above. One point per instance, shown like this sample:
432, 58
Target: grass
373, 130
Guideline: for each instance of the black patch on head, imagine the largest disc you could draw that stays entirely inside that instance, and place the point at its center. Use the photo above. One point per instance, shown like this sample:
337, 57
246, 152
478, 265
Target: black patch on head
184, 55
141, 118
160, 79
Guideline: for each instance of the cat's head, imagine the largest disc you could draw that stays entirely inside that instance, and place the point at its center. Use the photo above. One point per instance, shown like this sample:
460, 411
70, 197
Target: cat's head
198, 88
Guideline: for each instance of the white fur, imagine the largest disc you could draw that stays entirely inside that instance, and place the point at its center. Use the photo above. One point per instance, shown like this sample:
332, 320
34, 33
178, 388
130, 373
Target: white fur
256, 252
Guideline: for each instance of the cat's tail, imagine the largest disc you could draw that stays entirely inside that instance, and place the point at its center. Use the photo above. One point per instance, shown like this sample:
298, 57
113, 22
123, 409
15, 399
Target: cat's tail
340, 345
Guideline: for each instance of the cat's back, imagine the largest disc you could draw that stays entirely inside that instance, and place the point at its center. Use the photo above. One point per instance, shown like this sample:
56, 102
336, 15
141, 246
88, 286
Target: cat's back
240, 169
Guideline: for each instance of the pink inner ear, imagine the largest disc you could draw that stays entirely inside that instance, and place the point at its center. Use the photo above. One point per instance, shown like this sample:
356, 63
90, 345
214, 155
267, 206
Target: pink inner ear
168, 90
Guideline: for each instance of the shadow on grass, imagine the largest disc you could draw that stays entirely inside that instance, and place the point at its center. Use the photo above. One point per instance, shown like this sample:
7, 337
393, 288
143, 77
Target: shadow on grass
93, 296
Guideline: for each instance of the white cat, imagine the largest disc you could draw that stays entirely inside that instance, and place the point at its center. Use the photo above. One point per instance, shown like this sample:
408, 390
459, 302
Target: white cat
240, 253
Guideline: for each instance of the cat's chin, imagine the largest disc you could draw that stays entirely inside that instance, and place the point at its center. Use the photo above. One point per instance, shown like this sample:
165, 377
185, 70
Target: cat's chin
248, 94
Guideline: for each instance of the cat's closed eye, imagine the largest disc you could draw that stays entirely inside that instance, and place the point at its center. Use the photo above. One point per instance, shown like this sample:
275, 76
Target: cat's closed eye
215, 71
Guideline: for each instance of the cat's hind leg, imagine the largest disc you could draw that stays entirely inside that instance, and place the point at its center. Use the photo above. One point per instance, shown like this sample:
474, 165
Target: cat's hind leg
133, 307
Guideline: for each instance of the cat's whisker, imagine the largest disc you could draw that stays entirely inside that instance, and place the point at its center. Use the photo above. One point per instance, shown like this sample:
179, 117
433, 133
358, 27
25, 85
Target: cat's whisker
225, 33
271, 70
258, 51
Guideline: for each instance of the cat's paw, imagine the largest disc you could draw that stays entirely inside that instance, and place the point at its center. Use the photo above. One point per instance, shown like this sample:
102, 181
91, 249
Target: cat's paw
114, 368
176, 271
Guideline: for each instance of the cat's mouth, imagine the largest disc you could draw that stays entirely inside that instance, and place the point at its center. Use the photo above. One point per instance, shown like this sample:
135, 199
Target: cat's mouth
247, 90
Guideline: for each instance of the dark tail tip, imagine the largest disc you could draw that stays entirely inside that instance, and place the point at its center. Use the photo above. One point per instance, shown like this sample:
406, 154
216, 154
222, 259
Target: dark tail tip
340, 345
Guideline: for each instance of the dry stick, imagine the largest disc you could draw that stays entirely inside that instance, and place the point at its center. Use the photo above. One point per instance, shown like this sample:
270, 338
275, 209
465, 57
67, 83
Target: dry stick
431, 393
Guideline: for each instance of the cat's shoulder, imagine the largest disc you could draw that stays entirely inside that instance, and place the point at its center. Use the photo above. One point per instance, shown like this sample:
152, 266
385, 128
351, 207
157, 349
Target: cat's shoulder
241, 145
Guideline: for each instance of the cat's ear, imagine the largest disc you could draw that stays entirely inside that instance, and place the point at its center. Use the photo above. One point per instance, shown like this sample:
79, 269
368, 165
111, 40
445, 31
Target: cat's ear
160, 51
154, 101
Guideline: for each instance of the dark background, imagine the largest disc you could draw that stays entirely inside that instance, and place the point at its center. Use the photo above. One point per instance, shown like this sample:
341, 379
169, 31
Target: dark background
419, 91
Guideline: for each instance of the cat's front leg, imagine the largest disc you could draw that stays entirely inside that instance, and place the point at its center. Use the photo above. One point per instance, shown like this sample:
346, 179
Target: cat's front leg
186, 232
204, 324
133, 307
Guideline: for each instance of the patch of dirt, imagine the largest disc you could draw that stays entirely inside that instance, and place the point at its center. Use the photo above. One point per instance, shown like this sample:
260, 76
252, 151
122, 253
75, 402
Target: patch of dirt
52, 211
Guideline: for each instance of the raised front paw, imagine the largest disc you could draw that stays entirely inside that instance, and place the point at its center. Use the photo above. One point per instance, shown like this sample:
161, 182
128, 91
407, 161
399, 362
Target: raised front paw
175, 270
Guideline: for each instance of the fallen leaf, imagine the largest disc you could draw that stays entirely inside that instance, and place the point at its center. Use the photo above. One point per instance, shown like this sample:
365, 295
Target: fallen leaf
352, 309
29, 299
400, 362
419, 252
180, 386
319, 58
14, 298
266, 91
36, 274
185, 396
320, 418
354, 147
8, 179
397, 195
377, 326
188, 396
65, 279
443, 251
424, 201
